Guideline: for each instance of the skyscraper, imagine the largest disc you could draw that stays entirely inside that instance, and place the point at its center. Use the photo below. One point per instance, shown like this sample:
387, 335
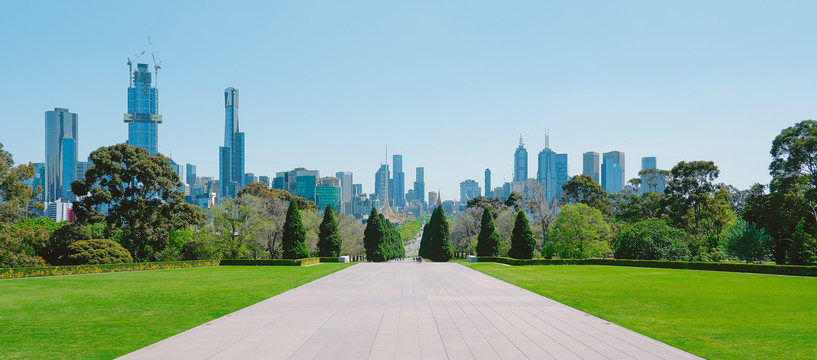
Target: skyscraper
346, 181
520, 163
590, 165
651, 182
328, 192
190, 173
299, 182
381, 184
399, 181
552, 171
61, 141
143, 117
612, 172
231, 155
469, 189
488, 183
420, 185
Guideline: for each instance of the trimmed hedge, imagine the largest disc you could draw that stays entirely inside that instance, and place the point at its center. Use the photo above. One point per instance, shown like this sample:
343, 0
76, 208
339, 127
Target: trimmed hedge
272, 262
688, 265
22, 272
329, 259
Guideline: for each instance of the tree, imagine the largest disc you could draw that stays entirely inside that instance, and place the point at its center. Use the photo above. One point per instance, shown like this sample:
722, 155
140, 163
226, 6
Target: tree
437, 246
61, 239
18, 200
778, 213
803, 250
746, 242
294, 234
488, 239
651, 240
580, 232
372, 237
142, 194
96, 251
582, 189
522, 241
237, 224
692, 201
480, 202
261, 190
794, 163
632, 208
543, 209
514, 200
464, 229
653, 179
329, 241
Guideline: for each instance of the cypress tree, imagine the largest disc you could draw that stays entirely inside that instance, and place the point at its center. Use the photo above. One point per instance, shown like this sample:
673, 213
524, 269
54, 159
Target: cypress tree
372, 238
423, 252
522, 240
488, 239
437, 245
329, 240
294, 234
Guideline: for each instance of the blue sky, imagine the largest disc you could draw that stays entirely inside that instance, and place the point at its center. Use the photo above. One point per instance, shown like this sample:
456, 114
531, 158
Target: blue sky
450, 85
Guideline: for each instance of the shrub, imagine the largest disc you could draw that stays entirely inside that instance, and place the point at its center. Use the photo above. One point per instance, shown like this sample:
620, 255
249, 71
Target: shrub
58, 243
580, 232
651, 240
97, 251
803, 250
22, 272
746, 242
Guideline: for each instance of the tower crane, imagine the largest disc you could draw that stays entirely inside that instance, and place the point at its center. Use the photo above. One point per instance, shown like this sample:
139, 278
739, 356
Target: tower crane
130, 66
156, 66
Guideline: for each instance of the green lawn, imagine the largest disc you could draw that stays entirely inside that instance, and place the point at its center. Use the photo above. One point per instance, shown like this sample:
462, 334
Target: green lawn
102, 316
716, 315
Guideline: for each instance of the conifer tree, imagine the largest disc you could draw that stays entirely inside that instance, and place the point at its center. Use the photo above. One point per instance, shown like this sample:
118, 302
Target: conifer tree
522, 240
803, 250
372, 237
294, 234
437, 244
423, 252
488, 239
329, 240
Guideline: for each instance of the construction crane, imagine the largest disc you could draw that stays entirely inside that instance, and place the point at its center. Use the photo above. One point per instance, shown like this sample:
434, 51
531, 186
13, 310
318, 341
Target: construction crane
130, 66
156, 66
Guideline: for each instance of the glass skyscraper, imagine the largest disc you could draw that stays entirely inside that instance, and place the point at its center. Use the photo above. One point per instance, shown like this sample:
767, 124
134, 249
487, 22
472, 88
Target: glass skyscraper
520, 163
612, 172
346, 180
488, 183
328, 192
552, 171
299, 182
381, 184
143, 117
231, 155
399, 181
469, 189
420, 185
61, 141
590, 165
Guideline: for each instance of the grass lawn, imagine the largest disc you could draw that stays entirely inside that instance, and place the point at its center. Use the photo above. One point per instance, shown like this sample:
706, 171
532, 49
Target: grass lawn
102, 316
716, 315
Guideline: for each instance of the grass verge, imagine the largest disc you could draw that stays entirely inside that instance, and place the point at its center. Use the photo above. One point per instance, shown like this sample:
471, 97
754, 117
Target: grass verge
102, 316
716, 315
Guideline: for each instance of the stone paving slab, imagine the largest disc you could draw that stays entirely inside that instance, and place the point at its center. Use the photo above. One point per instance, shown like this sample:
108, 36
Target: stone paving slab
409, 311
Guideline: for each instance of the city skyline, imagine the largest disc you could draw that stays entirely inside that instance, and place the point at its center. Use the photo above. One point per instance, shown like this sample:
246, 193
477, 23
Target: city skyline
720, 90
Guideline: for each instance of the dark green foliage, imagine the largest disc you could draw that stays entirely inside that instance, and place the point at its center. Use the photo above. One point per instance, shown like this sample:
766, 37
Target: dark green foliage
488, 239
271, 262
582, 189
96, 251
803, 250
436, 245
522, 240
61, 239
142, 192
746, 242
778, 214
514, 200
329, 240
693, 202
690, 265
200, 248
424, 247
294, 234
651, 240
381, 239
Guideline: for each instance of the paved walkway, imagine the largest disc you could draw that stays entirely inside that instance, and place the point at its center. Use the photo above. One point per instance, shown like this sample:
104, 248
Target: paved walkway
409, 311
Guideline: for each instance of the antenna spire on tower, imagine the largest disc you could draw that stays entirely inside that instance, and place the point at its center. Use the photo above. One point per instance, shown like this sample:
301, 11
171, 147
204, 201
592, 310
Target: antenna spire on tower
547, 138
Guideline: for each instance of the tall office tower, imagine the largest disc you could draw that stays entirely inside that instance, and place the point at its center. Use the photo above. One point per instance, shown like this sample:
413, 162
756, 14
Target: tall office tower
190, 173
520, 163
231, 155
488, 183
328, 192
143, 117
264, 180
590, 165
469, 189
420, 185
37, 180
552, 171
399, 181
612, 172
346, 181
299, 182
82, 168
60, 154
357, 189
651, 182
381, 184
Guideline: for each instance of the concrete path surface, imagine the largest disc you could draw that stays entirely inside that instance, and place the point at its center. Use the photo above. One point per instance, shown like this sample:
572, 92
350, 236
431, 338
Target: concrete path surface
409, 311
